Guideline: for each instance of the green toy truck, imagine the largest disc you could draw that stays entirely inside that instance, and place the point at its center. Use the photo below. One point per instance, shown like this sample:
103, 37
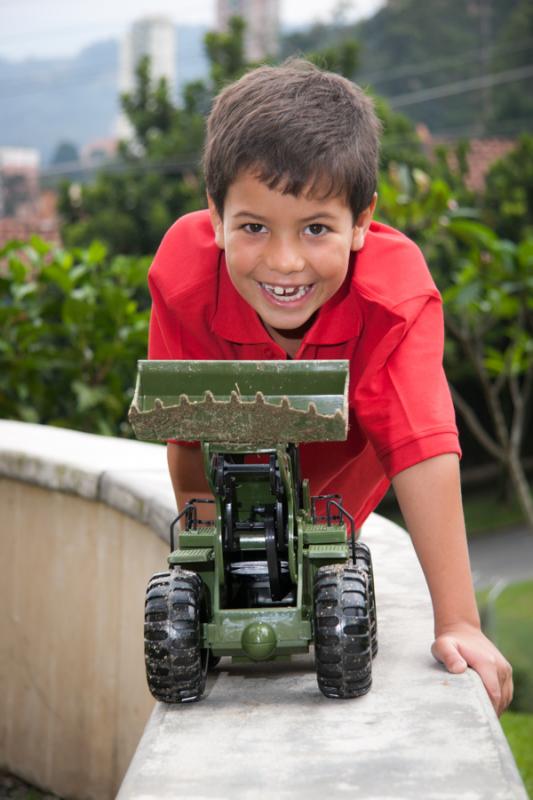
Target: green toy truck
278, 570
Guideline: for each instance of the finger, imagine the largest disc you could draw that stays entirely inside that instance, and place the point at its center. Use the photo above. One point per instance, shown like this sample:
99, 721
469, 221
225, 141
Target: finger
487, 669
497, 676
445, 650
506, 682
494, 690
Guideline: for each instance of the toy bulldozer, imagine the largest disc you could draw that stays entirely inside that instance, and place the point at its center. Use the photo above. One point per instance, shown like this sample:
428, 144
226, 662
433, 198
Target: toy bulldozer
278, 570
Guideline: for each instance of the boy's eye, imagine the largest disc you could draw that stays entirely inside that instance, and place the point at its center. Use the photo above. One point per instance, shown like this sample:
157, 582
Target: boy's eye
253, 227
316, 229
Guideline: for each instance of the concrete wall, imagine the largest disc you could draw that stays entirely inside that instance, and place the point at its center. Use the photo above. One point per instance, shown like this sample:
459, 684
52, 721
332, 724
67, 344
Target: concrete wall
73, 574
82, 526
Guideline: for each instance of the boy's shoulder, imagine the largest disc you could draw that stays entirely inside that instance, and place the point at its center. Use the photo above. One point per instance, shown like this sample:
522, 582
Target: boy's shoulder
390, 269
187, 258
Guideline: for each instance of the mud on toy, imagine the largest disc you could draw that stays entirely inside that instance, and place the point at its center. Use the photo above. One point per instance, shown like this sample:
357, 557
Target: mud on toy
279, 570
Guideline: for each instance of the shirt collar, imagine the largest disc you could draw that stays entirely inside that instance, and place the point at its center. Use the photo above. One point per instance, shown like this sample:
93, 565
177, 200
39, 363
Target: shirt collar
235, 320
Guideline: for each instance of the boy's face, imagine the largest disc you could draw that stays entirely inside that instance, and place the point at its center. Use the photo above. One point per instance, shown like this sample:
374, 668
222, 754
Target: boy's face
286, 255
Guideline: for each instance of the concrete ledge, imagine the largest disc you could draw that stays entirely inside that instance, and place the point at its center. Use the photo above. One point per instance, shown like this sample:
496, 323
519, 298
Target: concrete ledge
130, 476
265, 730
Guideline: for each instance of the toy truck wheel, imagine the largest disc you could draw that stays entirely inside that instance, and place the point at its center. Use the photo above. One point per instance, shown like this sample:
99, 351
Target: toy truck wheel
343, 653
176, 665
213, 661
363, 560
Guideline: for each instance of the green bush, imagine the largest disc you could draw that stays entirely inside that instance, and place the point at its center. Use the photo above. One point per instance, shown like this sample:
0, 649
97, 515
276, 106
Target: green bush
72, 325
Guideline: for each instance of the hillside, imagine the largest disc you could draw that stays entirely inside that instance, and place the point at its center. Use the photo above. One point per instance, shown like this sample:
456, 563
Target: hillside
411, 45
408, 46
75, 99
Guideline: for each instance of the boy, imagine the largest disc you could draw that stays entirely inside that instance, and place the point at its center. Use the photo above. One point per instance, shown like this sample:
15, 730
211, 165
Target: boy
287, 263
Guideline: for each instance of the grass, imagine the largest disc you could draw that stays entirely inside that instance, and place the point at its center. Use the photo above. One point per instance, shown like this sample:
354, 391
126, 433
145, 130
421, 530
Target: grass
509, 623
518, 728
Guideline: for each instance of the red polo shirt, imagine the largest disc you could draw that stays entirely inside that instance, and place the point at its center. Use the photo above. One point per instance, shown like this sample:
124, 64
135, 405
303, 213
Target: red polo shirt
386, 320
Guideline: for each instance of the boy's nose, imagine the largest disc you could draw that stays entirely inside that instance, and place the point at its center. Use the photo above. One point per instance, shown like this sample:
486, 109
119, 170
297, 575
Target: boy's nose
284, 257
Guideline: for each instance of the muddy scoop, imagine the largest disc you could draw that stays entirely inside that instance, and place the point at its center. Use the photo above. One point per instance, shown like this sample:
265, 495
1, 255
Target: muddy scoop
256, 402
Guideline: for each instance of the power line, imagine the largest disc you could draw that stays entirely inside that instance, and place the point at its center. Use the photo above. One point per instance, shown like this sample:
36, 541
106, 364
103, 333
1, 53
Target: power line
416, 70
64, 69
192, 161
67, 169
459, 87
402, 100
407, 70
507, 126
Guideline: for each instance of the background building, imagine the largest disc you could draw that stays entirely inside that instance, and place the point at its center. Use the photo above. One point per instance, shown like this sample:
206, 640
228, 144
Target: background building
154, 37
24, 207
262, 25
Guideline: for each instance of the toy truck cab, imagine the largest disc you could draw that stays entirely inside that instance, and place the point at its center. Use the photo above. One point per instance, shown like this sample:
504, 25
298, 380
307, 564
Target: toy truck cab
268, 570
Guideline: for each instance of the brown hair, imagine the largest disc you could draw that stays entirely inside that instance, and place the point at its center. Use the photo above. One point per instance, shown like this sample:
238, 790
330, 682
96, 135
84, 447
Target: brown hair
298, 128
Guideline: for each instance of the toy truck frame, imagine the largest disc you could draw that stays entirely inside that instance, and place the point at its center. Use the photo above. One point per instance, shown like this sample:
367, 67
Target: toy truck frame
273, 570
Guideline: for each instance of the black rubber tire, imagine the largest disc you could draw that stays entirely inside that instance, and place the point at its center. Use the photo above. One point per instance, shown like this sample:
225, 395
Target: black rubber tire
176, 665
212, 662
343, 654
363, 560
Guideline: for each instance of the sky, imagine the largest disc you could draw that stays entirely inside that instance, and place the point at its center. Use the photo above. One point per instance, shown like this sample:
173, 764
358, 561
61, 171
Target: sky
56, 28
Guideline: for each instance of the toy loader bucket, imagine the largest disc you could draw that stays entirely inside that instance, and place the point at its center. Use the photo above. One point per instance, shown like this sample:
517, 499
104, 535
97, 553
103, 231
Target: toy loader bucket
256, 402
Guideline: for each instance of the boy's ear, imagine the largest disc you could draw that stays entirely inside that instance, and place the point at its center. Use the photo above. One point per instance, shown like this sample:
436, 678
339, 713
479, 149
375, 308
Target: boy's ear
362, 224
216, 221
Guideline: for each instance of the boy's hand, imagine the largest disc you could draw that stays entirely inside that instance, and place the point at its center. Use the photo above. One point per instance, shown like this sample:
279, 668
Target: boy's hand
463, 646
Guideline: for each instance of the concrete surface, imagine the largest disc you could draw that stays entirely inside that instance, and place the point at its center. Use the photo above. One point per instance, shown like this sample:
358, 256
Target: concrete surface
265, 730
74, 699
83, 526
127, 475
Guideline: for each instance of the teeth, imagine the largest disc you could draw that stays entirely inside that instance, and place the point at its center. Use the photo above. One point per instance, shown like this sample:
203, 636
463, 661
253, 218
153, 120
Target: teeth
286, 293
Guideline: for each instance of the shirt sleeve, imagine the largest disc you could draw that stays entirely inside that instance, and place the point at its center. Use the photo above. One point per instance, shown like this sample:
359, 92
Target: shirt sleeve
406, 408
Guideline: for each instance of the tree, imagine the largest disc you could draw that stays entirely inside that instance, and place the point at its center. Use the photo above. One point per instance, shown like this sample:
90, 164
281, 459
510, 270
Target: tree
512, 103
225, 51
489, 313
507, 203
131, 204
342, 57
156, 178
65, 153
487, 287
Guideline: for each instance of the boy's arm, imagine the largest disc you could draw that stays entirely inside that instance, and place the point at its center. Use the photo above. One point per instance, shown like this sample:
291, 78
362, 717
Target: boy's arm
429, 496
186, 468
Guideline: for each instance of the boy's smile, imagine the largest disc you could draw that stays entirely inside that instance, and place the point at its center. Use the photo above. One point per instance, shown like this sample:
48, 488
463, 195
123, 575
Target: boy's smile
286, 255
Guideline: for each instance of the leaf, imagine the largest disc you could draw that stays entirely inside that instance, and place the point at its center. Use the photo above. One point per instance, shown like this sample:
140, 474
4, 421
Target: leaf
525, 254
39, 245
468, 294
494, 361
58, 275
23, 291
88, 397
17, 269
464, 212
96, 252
473, 233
